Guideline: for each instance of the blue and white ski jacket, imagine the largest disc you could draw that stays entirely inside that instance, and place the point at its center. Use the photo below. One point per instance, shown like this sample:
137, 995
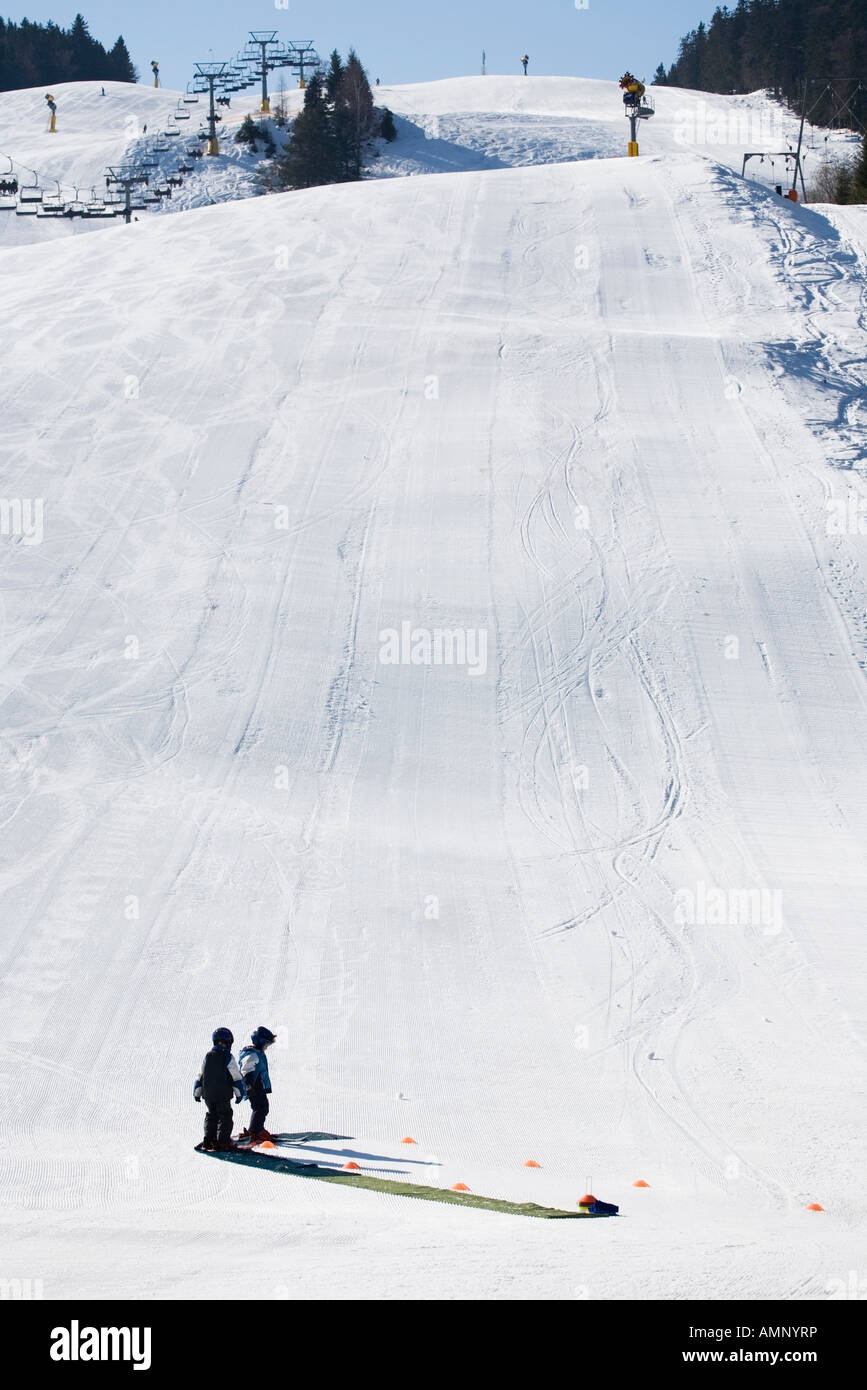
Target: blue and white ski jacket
233, 1076
254, 1064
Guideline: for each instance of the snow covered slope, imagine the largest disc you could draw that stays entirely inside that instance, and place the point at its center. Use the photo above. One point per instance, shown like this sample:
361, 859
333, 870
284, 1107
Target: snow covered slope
594, 895
458, 125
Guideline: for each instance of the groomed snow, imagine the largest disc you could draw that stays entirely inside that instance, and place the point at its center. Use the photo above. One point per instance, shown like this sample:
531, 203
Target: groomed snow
593, 415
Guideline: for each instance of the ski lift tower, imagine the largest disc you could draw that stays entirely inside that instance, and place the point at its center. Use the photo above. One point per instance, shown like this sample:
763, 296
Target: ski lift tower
303, 55
126, 180
212, 73
264, 38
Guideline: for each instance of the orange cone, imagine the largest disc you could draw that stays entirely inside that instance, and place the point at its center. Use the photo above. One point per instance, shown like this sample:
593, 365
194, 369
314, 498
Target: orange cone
409, 1141
587, 1200
460, 1187
267, 1144
352, 1167
531, 1163
814, 1206
641, 1183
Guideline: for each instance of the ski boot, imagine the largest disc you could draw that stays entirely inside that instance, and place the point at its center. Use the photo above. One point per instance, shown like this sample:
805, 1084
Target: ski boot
206, 1146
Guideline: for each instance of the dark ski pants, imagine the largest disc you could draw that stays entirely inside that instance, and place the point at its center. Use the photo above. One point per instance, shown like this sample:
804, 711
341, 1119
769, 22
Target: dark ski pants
260, 1108
218, 1121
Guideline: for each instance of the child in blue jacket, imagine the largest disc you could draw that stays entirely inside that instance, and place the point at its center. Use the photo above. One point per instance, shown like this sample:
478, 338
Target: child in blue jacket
254, 1070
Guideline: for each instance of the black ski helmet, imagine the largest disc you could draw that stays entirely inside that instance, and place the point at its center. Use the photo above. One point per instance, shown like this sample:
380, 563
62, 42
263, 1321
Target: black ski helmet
222, 1035
262, 1035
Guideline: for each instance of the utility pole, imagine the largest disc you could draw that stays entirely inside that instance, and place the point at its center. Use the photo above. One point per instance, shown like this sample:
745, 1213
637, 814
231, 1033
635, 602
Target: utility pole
127, 181
211, 73
484, 63
264, 37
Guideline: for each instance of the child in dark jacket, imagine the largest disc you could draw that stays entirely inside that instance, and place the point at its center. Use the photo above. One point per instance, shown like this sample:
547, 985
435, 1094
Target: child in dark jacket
254, 1070
218, 1080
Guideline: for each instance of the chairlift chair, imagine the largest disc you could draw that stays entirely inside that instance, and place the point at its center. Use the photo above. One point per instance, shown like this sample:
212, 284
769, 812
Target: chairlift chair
8, 183
8, 187
27, 209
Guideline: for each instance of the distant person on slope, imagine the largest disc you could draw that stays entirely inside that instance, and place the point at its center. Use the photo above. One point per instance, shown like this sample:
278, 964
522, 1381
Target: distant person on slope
254, 1070
218, 1080
525, 60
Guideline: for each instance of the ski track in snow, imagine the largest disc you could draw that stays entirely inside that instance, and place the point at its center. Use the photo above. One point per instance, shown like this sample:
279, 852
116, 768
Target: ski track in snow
454, 894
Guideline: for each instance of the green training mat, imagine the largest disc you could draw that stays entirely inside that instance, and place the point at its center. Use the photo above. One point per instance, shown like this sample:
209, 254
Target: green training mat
298, 1169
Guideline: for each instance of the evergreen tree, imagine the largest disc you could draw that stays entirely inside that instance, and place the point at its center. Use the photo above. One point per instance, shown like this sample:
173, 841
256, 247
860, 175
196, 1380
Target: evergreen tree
121, 66
334, 77
251, 132
354, 116
777, 45
859, 175
311, 157
387, 127
659, 78
35, 55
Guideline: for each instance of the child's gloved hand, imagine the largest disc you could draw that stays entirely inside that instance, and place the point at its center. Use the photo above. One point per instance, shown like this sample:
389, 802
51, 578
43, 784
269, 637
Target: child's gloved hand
239, 1097
197, 1099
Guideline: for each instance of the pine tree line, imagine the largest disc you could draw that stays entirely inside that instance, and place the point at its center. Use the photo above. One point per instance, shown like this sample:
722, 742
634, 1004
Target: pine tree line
43, 55
334, 132
776, 45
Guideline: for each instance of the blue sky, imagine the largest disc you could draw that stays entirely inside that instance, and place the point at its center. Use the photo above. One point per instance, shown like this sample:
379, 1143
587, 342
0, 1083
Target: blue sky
398, 41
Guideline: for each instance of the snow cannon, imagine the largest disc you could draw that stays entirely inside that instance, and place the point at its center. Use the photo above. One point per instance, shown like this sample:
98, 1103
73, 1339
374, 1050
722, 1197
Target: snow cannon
52, 106
635, 108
